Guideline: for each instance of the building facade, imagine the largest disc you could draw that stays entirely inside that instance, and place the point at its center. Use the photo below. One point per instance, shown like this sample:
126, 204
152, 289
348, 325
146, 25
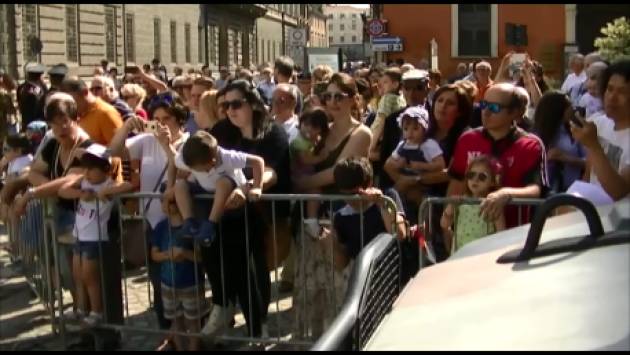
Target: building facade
345, 30
81, 35
469, 32
273, 30
318, 29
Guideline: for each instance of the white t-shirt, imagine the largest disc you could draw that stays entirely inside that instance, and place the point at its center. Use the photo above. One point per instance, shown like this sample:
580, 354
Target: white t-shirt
573, 80
146, 148
17, 166
591, 103
87, 222
291, 126
430, 150
229, 163
616, 144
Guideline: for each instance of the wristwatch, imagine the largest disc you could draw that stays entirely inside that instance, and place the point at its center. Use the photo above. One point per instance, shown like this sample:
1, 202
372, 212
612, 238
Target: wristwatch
30, 193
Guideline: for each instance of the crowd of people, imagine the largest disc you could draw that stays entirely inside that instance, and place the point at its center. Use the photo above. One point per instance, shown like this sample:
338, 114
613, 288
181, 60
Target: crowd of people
392, 130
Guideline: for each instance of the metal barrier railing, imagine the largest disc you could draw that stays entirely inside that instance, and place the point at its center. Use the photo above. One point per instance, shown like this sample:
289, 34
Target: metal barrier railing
123, 313
30, 246
431, 210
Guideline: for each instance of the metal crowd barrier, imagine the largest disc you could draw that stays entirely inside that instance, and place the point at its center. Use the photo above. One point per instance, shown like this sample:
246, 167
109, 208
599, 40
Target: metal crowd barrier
431, 210
292, 321
30, 246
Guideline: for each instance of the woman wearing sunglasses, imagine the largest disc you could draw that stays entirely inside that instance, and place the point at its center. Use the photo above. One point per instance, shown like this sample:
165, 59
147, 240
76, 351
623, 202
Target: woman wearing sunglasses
250, 129
347, 137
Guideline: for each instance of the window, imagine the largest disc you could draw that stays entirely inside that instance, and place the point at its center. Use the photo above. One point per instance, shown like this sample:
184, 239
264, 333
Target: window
354, 26
157, 40
342, 39
342, 15
3, 38
252, 46
354, 15
110, 34
354, 39
474, 30
173, 42
269, 55
72, 34
187, 42
274, 51
330, 16
130, 36
29, 30
262, 51
342, 27
201, 49
330, 39
213, 43
330, 27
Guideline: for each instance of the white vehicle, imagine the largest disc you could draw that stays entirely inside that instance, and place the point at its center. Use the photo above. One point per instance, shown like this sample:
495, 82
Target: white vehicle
501, 292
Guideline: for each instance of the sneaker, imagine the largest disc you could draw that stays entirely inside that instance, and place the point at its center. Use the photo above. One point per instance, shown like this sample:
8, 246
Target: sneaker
93, 319
218, 320
190, 228
73, 315
311, 227
207, 232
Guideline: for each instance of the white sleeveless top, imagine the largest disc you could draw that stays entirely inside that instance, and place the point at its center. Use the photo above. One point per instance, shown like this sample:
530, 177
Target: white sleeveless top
87, 221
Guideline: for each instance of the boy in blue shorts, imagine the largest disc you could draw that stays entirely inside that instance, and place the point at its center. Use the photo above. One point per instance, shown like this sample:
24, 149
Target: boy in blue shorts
182, 279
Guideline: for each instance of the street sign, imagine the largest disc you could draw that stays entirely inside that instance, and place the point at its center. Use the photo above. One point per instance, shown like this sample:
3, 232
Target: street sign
297, 37
376, 27
387, 44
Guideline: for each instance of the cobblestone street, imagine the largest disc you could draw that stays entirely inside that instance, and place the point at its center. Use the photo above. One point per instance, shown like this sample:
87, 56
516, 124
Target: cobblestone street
25, 322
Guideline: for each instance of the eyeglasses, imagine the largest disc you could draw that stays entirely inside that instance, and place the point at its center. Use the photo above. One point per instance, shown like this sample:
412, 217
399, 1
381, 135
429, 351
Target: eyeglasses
338, 96
491, 106
235, 104
472, 175
159, 99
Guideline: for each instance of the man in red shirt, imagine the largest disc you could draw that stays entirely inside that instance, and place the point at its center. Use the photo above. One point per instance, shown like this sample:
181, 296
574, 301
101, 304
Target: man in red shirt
522, 155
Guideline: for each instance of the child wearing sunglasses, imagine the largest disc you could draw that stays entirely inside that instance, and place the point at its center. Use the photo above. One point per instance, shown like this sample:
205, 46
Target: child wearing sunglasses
483, 176
306, 150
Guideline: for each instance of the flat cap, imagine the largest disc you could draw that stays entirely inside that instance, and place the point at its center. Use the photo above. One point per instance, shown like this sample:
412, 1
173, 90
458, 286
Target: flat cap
35, 68
416, 74
59, 69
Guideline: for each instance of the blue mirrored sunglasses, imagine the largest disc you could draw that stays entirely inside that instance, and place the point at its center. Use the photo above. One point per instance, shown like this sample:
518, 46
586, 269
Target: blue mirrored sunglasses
491, 106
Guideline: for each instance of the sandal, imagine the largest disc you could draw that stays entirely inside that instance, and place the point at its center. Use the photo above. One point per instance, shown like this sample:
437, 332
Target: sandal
167, 345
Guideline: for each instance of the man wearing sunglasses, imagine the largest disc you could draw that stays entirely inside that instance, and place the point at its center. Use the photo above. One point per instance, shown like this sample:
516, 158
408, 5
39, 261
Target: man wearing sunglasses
415, 89
521, 154
98, 118
104, 88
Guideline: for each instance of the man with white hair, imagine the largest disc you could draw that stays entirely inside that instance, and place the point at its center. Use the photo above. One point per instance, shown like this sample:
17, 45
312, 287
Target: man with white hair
104, 87
591, 100
283, 103
577, 91
577, 75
